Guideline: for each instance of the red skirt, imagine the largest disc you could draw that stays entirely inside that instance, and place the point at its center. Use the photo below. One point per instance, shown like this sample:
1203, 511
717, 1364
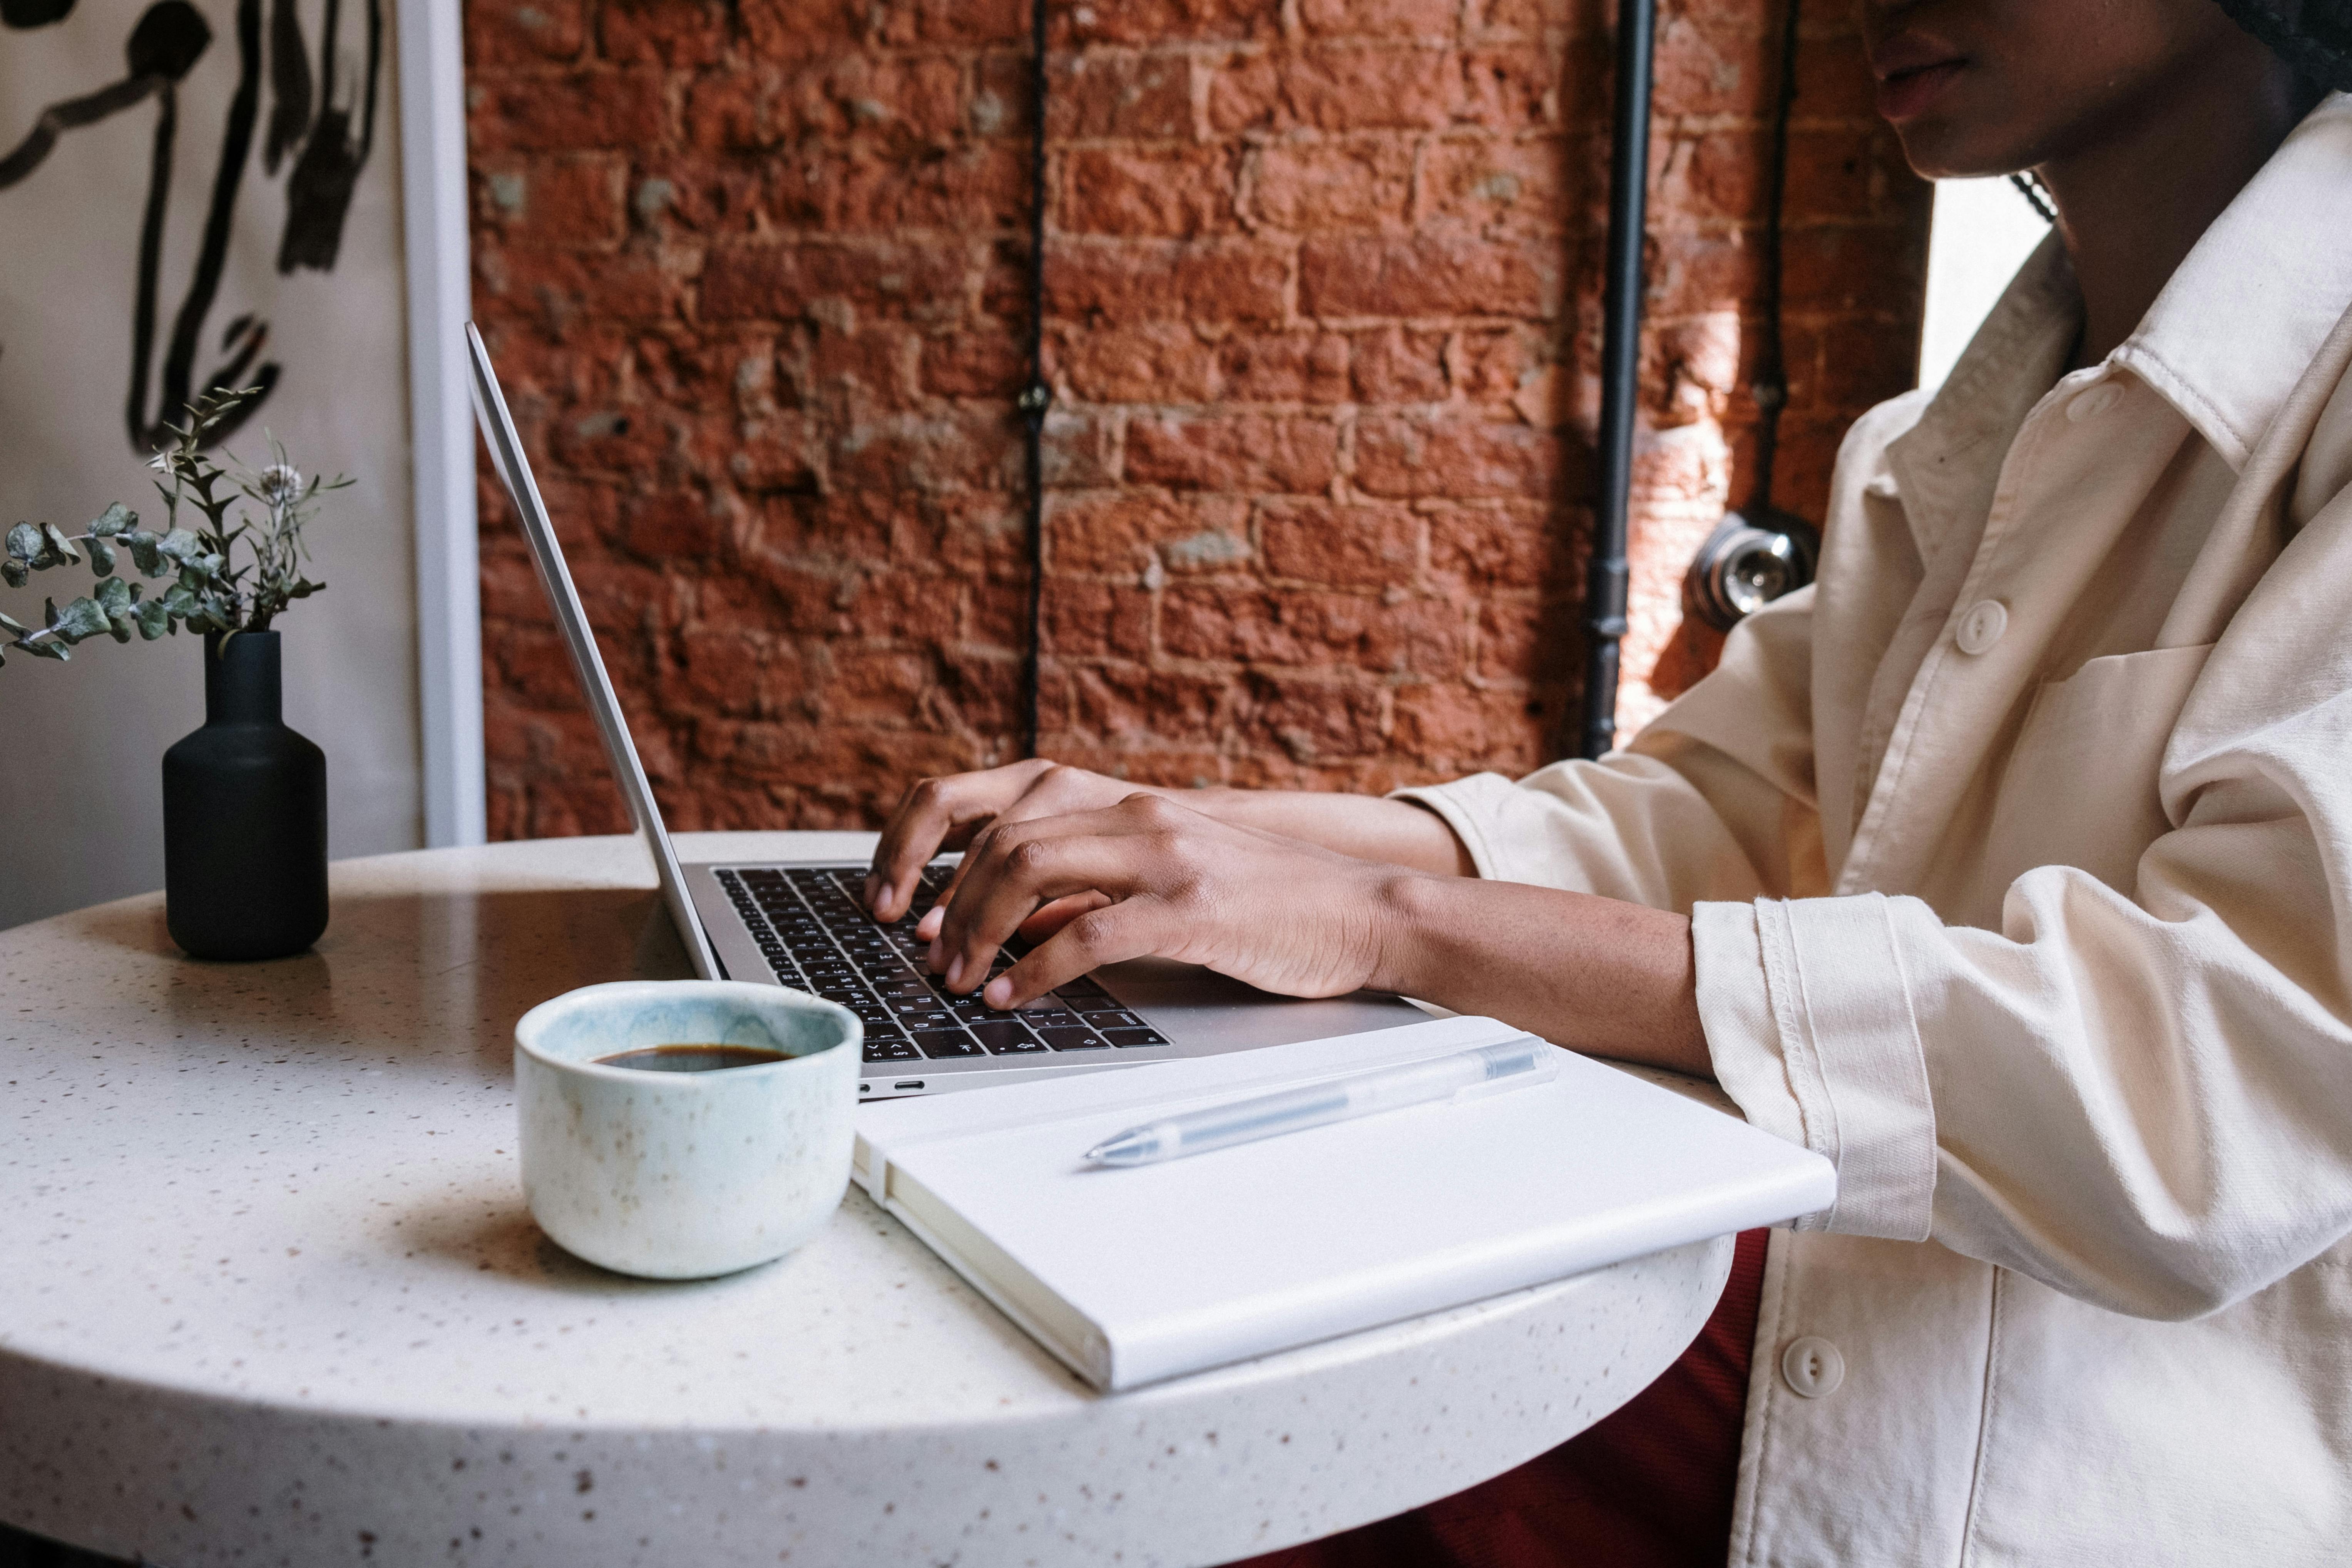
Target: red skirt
1648, 1487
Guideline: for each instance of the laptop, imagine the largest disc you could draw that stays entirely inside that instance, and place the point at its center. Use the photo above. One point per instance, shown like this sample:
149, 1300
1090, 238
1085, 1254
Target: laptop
800, 923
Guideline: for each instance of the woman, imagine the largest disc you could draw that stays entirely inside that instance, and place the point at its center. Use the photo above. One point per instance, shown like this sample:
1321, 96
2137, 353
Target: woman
2011, 868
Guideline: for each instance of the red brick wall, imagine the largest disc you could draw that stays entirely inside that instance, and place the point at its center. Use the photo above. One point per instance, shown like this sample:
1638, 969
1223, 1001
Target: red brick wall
1323, 305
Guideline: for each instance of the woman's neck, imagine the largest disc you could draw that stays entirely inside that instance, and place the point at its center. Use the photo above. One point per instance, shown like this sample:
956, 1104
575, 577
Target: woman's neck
2131, 206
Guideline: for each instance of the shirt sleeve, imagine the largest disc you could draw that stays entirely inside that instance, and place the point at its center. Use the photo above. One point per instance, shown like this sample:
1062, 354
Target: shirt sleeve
1714, 800
2137, 1095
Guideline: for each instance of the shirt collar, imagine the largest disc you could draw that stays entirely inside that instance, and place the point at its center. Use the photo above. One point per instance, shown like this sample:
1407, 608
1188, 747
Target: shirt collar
2237, 324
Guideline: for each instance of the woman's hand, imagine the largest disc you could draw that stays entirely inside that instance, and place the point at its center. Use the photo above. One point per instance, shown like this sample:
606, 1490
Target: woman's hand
1148, 877
945, 813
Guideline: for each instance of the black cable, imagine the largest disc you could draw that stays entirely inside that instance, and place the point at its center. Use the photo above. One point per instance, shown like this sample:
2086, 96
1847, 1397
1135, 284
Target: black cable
1037, 397
1629, 170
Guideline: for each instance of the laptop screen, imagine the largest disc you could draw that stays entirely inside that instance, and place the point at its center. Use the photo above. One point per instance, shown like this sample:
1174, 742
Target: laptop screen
555, 577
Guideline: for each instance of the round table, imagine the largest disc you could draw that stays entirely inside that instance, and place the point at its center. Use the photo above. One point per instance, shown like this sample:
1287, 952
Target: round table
271, 1296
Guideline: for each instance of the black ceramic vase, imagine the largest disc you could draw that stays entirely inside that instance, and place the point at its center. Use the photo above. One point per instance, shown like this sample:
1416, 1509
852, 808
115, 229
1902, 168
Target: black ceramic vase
245, 815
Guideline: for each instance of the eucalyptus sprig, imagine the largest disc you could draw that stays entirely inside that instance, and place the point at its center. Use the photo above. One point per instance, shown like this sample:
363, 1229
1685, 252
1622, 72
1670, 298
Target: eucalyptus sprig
208, 592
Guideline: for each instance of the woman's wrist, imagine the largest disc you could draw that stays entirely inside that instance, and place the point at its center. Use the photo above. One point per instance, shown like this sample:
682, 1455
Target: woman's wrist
1596, 974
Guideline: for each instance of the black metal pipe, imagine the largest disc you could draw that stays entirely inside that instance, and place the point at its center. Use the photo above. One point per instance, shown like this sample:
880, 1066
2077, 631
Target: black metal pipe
1628, 173
1038, 394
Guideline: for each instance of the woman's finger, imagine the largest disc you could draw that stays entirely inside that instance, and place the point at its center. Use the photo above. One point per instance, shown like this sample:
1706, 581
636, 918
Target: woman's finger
1020, 868
1055, 790
1052, 917
929, 817
1133, 928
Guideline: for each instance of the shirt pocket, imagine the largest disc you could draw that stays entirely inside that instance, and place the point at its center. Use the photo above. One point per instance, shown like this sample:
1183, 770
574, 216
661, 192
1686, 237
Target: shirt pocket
2081, 785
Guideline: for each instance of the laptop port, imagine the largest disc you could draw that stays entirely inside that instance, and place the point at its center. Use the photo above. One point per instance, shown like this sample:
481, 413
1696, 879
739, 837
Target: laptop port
909, 1083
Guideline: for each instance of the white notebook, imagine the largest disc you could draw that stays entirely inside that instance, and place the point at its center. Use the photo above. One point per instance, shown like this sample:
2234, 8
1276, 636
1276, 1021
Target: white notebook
1151, 1271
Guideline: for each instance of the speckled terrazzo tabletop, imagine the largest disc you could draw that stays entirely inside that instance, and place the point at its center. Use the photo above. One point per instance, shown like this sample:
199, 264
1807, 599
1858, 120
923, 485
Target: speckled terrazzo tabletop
269, 1294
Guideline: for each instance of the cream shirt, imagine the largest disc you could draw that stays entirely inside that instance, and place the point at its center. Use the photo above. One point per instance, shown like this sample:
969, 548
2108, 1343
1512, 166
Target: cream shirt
2019, 856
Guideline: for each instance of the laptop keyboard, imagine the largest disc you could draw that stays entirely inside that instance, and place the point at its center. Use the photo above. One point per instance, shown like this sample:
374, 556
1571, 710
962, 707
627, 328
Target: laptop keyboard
818, 938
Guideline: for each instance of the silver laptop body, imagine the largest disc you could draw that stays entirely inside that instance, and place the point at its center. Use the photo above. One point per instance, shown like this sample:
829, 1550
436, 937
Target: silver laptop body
797, 922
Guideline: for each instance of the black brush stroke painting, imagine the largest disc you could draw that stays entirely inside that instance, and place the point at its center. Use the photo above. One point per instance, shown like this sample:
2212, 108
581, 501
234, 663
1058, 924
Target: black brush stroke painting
326, 123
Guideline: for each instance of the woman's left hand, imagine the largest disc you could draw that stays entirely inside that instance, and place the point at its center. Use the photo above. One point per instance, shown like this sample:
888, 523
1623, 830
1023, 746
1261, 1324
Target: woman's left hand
1167, 882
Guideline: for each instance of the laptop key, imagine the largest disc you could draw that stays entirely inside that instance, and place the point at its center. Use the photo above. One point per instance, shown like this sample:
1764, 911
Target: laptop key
892, 1050
1113, 1020
937, 1043
1072, 1039
1005, 1037
1124, 1038
1049, 1019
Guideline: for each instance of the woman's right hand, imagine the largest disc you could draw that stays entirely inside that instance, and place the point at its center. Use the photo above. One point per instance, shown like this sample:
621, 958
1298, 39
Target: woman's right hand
946, 813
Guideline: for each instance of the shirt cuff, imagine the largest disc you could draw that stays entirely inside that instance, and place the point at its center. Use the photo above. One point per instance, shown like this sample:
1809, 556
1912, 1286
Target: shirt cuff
1467, 805
1810, 1024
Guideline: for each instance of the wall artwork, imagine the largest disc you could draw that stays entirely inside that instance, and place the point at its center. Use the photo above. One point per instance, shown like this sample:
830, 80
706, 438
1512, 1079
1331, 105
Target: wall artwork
196, 195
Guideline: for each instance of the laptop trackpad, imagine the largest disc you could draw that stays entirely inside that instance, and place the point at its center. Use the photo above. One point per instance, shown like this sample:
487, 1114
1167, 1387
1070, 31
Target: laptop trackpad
1200, 1009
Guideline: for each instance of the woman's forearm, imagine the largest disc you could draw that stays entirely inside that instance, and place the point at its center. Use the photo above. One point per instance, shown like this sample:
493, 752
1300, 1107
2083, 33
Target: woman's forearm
1393, 832
1597, 975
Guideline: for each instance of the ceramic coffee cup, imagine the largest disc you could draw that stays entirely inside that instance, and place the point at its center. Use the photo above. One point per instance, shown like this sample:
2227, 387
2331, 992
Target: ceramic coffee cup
681, 1175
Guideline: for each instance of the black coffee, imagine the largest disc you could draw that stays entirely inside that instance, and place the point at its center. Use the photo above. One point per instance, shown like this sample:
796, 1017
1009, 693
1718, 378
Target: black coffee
693, 1058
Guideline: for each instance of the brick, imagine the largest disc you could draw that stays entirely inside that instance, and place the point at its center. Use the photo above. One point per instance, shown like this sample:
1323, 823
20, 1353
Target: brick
1300, 627
1093, 618
1391, 364
1138, 97
1317, 720
1163, 22
1159, 361
1499, 545
1453, 458
1122, 532
669, 525
1361, 546
1283, 367
1157, 280
553, 203
1338, 88
1424, 20
1178, 193
1326, 187
675, 33
865, 191
973, 364
1129, 701
781, 282
565, 111
1426, 275
522, 33
1497, 185
1244, 454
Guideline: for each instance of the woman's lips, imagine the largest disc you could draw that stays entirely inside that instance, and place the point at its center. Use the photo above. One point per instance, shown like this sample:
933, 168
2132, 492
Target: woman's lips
1908, 94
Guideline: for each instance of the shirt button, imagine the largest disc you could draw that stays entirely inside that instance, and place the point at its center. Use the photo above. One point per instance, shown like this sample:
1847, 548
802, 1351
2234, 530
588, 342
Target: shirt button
2090, 405
1812, 1367
1982, 625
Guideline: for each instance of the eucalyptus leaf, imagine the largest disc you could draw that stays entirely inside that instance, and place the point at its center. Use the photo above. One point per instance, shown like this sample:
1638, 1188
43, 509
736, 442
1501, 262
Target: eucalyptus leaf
83, 618
181, 546
52, 649
177, 600
102, 558
14, 572
145, 550
116, 519
25, 543
153, 619
113, 596
9, 623
61, 549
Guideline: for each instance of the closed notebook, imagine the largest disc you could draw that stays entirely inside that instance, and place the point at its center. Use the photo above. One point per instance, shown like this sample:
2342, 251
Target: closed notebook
1152, 1271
